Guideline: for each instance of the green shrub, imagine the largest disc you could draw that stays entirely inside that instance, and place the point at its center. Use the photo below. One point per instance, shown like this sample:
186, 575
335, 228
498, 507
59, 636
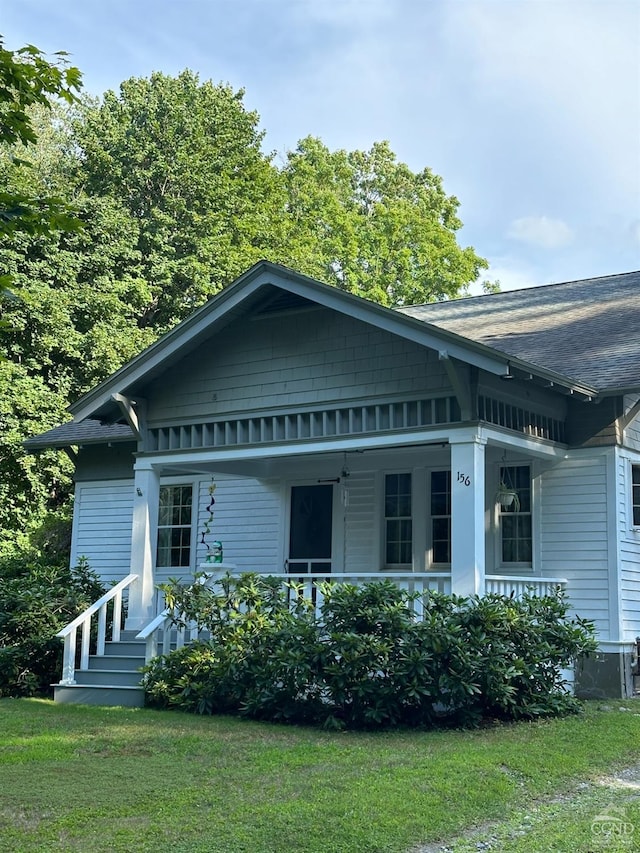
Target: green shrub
37, 599
366, 661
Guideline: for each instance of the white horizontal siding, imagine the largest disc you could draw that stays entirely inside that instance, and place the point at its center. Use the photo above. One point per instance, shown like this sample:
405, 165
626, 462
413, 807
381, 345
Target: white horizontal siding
102, 527
629, 548
247, 520
574, 536
280, 362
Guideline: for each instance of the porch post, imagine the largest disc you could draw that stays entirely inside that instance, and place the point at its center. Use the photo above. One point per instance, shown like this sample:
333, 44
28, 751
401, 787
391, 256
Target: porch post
144, 537
468, 527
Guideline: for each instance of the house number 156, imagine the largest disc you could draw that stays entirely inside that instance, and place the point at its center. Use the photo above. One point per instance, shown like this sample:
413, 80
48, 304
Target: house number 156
465, 479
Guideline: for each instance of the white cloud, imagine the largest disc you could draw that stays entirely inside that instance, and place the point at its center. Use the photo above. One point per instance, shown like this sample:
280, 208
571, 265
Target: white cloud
541, 231
510, 274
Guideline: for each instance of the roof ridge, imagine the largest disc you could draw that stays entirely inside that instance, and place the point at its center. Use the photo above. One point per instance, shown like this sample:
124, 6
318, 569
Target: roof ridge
594, 278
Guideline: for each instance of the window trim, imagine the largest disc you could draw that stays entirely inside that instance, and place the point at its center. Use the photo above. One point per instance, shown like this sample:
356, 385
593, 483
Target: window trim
430, 564
521, 566
195, 485
629, 491
384, 518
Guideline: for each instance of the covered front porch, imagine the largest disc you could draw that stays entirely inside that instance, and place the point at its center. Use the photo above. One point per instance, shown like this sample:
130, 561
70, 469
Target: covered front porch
424, 510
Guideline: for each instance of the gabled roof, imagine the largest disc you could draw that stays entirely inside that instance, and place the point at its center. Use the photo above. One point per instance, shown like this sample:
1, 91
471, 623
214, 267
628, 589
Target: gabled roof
580, 335
255, 291
588, 330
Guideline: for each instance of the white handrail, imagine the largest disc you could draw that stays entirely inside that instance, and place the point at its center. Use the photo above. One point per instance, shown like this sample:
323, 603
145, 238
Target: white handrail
70, 632
93, 608
153, 625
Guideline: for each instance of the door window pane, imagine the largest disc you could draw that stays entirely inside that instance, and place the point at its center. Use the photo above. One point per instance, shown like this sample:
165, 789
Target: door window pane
311, 522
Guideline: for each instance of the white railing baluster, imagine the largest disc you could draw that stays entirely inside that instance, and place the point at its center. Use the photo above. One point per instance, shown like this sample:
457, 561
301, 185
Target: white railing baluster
83, 622
117, 616
69, 659
102, 629
84, 647
506, 585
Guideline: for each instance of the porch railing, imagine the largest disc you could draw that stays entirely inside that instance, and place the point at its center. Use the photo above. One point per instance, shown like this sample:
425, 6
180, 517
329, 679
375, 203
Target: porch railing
414, 582
83, 623
173, 637
518, 586
161, 635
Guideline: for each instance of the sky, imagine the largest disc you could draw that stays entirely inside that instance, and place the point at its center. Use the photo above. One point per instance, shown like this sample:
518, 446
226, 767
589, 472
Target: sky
528, 109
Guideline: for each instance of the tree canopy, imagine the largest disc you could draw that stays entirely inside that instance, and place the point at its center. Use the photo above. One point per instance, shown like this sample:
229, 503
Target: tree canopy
176, 197
368, 224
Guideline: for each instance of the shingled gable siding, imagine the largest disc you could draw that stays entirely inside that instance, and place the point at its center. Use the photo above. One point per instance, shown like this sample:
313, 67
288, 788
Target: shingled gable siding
286, 361
574, 535
632, 432
247, 520
629, 547
103, 513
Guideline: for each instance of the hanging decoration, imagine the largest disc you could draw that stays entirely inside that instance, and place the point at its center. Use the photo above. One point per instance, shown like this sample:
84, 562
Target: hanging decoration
506, 494
214, 551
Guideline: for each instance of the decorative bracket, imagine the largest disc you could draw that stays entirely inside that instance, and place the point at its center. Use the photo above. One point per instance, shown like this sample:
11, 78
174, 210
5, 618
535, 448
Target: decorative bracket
459, 383
128, 409
625, 420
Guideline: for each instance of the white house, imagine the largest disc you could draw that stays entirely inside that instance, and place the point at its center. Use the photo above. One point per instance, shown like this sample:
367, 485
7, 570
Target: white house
359, 441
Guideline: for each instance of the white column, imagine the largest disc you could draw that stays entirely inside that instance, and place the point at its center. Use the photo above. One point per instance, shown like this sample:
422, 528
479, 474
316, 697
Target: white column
143, 545
468, 525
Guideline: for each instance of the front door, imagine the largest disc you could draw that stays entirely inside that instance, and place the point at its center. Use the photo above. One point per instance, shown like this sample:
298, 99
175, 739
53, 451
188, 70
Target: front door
310, 529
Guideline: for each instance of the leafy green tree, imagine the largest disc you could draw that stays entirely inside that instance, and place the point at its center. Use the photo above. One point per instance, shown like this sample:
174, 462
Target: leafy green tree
176, 198
366, 223
184, 160
28, 79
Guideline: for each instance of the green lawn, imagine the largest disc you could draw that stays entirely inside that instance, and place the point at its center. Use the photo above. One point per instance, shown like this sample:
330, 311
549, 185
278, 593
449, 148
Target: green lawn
106, 779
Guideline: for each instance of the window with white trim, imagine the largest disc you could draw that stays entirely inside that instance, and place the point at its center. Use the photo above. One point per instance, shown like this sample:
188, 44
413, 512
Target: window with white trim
440, 506
635, 495
516, 541
174, 526
398, 526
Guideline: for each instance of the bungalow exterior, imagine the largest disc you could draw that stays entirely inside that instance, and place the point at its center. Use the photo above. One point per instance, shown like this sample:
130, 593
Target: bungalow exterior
357, 442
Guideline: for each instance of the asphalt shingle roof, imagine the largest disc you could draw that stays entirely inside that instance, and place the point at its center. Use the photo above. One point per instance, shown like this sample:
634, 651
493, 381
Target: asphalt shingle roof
587, 330
85, 432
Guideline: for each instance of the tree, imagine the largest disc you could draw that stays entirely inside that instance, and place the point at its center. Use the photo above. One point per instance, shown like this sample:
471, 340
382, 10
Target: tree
366, 223
183, 158
176, 198
28, 79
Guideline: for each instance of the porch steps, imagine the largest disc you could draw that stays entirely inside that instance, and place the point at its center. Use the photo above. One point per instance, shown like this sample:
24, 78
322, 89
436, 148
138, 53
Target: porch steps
111, 679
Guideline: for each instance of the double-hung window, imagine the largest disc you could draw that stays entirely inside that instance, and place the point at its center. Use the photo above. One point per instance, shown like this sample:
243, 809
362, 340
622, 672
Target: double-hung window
635, 495
397, 520
174, 526
515, 519
440, 502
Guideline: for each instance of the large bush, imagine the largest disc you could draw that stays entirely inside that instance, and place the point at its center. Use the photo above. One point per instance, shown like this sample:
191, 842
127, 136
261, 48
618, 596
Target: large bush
37, 599
367, 661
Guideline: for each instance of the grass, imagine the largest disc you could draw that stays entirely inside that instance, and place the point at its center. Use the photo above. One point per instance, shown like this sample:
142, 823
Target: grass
112, 779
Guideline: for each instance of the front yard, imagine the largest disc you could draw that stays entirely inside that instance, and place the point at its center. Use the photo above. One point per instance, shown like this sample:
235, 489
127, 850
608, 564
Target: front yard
106, 779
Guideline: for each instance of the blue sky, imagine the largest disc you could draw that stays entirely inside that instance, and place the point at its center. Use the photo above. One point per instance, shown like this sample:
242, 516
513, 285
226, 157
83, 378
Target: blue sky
528, 109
